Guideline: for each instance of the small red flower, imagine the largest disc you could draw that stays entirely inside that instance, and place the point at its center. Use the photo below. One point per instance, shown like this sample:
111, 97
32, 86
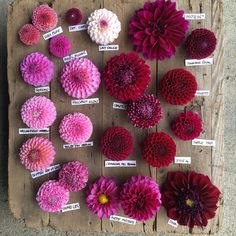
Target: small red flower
200, 44
178, 87
190, 198
187, 125
73, 16
158, 149
117, 143
29, 35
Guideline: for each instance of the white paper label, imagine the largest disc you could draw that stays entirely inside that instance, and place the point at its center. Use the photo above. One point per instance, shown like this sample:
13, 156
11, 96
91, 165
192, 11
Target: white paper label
123, 219
84, 101
74, 28
202, 93
202, 62
42, 89
182, 160
71, 207
33, 131
108, 48
120, 106
86, 144
195, 16
131, 163
53, 33
203, 142
173, 223
75, 55
36, 174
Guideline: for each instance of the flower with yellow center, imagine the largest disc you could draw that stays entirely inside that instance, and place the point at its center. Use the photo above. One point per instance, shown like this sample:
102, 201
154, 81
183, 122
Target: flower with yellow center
189, 203
103, 199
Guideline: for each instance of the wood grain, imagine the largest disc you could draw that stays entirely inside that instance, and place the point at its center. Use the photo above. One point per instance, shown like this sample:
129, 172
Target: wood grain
22, 188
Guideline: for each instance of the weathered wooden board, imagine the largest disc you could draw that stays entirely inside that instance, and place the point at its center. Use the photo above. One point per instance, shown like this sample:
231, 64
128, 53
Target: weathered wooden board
207, 160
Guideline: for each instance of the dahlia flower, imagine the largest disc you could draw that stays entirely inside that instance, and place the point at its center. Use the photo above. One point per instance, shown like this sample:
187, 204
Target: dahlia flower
29, 35
73, 16
59, 46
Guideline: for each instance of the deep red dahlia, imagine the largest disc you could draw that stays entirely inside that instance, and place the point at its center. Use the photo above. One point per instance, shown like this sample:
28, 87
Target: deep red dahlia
157, 29
117, 143
145, 112
200, 44
178, 87
187, 125
126, 76
73, 16
190, 198
158, 149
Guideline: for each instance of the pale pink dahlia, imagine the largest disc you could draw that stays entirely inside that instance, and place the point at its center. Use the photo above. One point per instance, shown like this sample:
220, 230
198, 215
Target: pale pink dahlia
80, 78
59, 46
140, 197
102, 197
36, 69
75, 128
37, 153
52, 197
73, 176
38, 112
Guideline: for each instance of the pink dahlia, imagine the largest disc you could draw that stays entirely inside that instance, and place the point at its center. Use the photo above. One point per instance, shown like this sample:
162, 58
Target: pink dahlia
29, 35
73, 176
75, 128
117, 143
80, 78
52, 197
36, 69
140, 197
126, 76
157, 29
37, 153
187, 125
38, 112
44, 18
145, 112
102, 197
59, 46
73, 16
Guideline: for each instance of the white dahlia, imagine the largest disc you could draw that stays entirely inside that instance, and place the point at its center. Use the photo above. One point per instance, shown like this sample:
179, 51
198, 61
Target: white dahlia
103, 26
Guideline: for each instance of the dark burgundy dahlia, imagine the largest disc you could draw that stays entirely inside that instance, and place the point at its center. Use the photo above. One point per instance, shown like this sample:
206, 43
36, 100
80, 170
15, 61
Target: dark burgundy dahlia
200, 44
157, 29
73, 16
187, 125
145, 112
190, 198
178, 87
117, 143
158, 149
126, 76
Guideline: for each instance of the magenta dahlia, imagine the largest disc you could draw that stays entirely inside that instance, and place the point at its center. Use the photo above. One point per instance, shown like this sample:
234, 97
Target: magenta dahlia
157, 29
126, 76
59, 46
102, 197
140, 197
29, 35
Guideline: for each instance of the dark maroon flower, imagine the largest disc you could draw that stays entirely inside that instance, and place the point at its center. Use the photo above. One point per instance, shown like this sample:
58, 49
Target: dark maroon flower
73, 16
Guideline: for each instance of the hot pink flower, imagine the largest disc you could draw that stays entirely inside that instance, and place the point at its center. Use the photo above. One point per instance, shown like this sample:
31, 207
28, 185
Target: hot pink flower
59, 46
29, 35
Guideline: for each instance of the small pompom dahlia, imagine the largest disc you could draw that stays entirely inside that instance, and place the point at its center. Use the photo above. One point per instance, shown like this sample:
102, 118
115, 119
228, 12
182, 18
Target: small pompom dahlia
73, 176
75, 128
117, 143
103, 26
187, 125
29, 35
102, 197
158, 149
200, 44
80, 78
126, 76
38, 112
52, 197
157, 29
37, 153
44, 18
190, 198
178, 87
73, 16
59, 46
140, 197
36, 69
145, 112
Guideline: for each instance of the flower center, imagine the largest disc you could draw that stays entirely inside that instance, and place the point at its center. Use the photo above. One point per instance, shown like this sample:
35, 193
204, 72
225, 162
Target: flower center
189, 203
34, 155
160, 150
103, 199
71, 180
45, 18
158, 29
117, 143
103, 24
36, 114
140, 203
34, 68
203, 45
126, 77
145, 110
52, 200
